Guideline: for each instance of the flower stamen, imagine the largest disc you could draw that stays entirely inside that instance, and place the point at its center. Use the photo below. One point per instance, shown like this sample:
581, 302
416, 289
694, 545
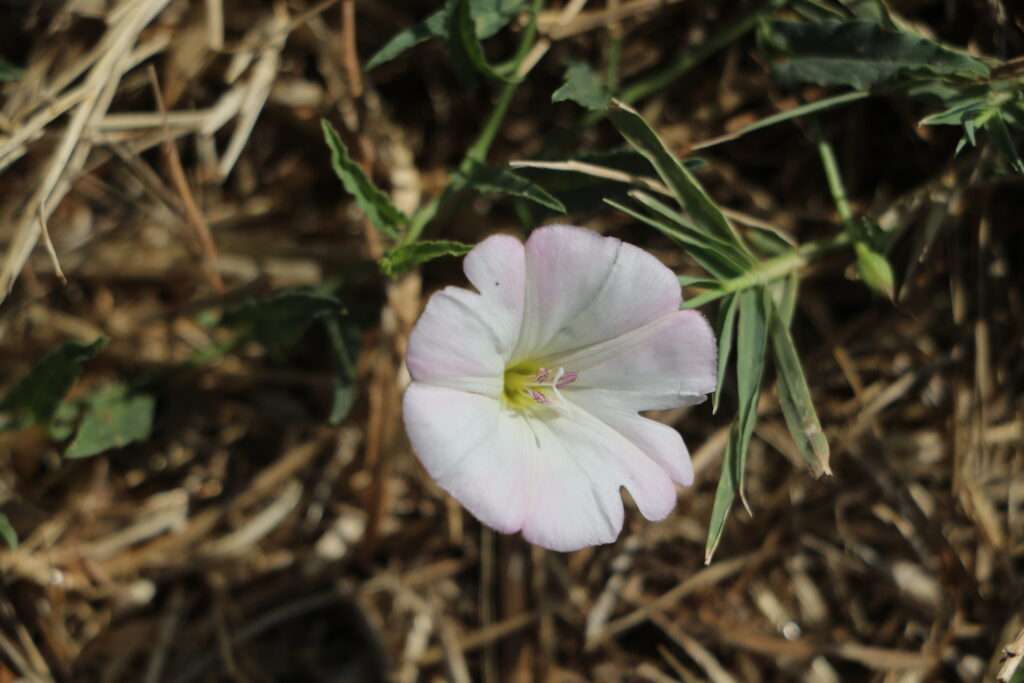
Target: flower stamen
527, 385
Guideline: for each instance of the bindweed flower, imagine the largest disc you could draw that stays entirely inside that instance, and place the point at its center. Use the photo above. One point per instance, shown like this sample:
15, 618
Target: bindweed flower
526, 394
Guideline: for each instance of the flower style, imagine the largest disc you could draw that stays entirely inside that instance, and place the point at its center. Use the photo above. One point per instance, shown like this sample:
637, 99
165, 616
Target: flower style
526, 394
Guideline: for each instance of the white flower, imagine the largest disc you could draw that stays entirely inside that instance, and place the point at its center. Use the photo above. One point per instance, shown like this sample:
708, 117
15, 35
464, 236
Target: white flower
525, 395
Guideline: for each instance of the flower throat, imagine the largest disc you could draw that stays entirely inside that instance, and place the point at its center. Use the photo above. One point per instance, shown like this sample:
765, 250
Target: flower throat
527, 385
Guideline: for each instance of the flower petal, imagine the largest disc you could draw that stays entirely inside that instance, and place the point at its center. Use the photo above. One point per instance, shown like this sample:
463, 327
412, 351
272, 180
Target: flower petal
582, 289
664, 364
463, 339
455, 344
473, 449
497, 268
576, 474
658, 441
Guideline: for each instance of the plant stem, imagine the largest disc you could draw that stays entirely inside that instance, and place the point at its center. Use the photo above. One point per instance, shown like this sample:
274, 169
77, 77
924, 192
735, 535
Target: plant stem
477, 152
773, 269
780, 266
835, 181
687, 60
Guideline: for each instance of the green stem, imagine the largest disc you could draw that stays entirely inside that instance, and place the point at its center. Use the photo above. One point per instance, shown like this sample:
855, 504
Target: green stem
781, 266
773, 269
477, 152
835, 181
687, 60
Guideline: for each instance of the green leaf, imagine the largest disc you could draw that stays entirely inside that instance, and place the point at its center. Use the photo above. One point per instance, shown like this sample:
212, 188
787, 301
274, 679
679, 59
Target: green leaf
36, 397
784, 294
862, 54
404, 258
875, 270
584, 87
9, 72
7, 532
464, 45
711, 261
726, 326
823, 104
688, 192
279, 321
697, 281
1001, 138
729, 252
750, 352
795, 401
374, 203
489, 17
956, 114
345, 345
114, 417
434, 26
502, 181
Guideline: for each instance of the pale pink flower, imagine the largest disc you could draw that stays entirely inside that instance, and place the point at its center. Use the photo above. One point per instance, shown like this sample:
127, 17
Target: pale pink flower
525, 395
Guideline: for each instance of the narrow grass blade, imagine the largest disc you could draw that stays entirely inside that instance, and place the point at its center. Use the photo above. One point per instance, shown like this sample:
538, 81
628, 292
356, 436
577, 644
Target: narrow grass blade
823, 104
726, 329
708, 259
750, 352
688, 192
795, 400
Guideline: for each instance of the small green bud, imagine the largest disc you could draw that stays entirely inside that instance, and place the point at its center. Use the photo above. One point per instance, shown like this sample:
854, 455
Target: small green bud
875, 270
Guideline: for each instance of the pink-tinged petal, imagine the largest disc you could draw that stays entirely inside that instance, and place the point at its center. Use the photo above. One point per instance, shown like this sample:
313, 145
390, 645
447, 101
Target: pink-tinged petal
582, 289
576, 474
456, 344
661, 443
473, 449
497, 268
664, 364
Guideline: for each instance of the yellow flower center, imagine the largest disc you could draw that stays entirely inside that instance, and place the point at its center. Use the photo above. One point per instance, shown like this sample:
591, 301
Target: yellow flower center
529, 385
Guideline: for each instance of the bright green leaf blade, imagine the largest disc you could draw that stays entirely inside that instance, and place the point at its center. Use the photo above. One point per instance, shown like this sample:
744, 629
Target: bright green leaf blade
9, 72
114, 417
402, 259
726, 327
862, 54
279, 321
502, 181
35, 398
688, 192
374, 203
7, 532
584, 87
795, 400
